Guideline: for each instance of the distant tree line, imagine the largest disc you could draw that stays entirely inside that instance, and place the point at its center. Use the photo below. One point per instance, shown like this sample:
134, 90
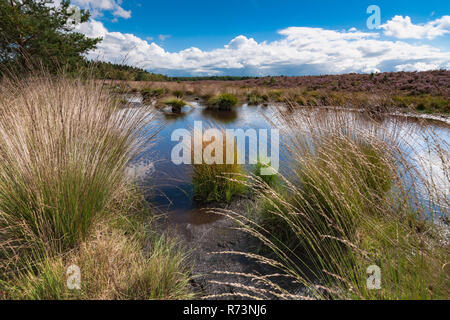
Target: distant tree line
113, 71
216, 78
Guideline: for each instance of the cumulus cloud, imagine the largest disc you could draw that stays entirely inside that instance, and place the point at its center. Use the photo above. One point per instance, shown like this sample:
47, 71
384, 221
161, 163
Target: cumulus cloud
418, 66
300, 51
92, 29
402, 28
97, 7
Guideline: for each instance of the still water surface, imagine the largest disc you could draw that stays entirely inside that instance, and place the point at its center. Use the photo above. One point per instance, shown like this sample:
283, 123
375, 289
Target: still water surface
171, 187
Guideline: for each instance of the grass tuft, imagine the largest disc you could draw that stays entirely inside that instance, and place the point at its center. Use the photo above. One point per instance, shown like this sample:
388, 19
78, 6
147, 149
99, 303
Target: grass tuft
176, 104
65, 198
224, 101
254, 98
218, 182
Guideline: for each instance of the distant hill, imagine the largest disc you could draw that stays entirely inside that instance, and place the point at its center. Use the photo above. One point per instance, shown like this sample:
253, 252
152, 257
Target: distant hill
435, 82
427, 82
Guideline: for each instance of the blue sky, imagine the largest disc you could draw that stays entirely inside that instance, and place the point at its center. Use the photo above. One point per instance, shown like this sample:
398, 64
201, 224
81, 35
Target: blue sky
271, 37
208, 24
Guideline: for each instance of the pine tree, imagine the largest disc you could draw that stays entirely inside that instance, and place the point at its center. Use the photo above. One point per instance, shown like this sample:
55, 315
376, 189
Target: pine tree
39, 31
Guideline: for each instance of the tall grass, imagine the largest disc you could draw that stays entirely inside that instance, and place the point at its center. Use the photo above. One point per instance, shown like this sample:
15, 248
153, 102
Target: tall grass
423, 103
64, 147
254, 98
218, 182
353, 200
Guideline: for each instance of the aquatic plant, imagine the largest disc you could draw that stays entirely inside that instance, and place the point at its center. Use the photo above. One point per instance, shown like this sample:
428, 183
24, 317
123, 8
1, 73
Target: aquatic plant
148, 93
224, 101
178, 94
176, 104
218, 182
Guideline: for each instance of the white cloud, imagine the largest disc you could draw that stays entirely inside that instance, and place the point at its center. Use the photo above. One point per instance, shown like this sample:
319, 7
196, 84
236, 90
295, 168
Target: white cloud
402, 28
93, 29
97, 7
122, 13
241, 42
300, 51
418, 66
